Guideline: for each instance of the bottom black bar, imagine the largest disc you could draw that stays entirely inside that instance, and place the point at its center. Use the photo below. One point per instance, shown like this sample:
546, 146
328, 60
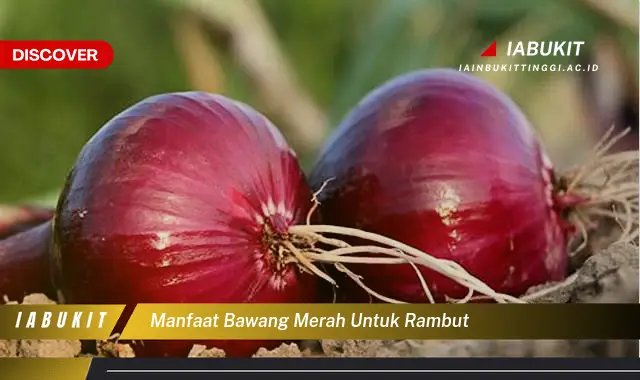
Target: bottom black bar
361, 368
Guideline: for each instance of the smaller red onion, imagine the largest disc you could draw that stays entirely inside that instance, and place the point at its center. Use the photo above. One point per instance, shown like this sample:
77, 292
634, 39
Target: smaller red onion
446, 169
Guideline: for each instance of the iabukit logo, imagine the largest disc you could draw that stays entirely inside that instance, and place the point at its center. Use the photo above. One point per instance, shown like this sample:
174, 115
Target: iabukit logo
532, 49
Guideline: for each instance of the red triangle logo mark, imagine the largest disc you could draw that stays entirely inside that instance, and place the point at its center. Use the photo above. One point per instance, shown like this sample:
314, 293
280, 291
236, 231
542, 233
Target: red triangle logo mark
491, 51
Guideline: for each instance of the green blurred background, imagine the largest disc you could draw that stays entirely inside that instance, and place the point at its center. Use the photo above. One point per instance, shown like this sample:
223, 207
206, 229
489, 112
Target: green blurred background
303, 63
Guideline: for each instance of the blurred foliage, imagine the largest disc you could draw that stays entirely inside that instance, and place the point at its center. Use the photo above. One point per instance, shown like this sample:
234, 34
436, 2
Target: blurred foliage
339, 50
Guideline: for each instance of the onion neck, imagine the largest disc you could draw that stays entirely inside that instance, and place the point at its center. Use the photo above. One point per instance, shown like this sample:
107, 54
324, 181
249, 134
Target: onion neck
24, 265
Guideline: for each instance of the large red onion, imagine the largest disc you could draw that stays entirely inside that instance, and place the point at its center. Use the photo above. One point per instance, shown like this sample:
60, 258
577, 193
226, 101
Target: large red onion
183, 197
447, 164
24, 264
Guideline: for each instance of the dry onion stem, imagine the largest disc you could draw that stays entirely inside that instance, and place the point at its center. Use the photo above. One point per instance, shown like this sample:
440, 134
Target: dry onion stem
608, 182
610, 185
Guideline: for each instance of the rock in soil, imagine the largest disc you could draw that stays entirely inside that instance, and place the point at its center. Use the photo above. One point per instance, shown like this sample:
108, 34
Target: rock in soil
200, 351
31, 348
114, 350
609, 277
285, 350
360, 348
49, 348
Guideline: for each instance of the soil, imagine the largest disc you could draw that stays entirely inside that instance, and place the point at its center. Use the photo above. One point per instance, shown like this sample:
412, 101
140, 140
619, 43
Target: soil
609, 276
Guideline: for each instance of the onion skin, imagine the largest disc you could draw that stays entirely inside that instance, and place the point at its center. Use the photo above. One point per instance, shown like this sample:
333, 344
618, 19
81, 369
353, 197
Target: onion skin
168, 202
24, 263
446, 163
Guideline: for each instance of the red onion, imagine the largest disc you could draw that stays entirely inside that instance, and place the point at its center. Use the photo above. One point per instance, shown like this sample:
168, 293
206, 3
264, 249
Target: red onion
444, 163
24, 264
183, 198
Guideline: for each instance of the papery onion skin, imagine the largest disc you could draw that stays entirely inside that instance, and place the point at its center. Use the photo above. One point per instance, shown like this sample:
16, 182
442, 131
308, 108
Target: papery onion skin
24, 263
444, 162
168, 202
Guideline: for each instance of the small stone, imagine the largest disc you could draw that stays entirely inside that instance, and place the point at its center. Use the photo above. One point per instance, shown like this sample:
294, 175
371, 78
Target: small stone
37, 299
311, 347
283, 351
34, 348
201, 351
114, 350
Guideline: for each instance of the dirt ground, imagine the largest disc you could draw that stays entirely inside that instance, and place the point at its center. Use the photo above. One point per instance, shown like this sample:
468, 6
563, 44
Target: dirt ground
609, 276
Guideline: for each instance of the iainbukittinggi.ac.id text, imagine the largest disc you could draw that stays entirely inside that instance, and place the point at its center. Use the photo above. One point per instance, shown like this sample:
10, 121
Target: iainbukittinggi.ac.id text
528, 67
